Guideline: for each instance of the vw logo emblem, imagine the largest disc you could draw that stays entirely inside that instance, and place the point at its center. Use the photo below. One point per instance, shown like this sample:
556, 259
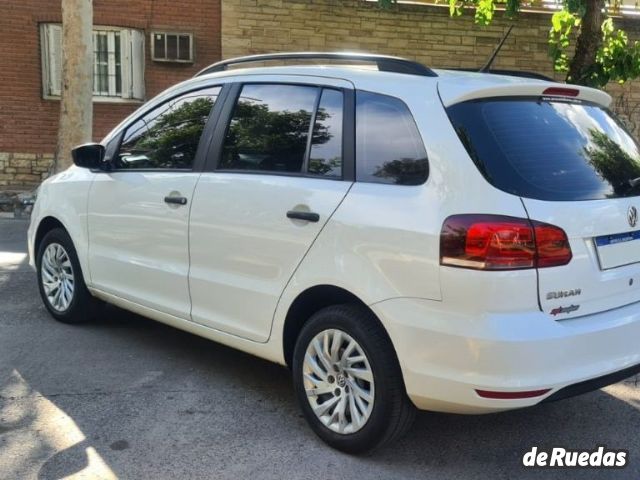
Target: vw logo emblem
632, 216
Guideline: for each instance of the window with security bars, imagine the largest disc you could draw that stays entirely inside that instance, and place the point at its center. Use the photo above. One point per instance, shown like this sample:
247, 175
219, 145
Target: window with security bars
107, 64
118, 62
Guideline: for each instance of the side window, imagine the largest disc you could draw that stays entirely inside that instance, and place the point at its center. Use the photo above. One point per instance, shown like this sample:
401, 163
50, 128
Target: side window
269, 128
388, 145
325, 157
168, 136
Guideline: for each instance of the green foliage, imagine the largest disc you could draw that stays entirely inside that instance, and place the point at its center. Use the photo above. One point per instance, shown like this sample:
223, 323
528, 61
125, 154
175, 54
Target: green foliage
320, 166
265, 139
172, 140
484, 9
403, 171
616, 60
255, 128
562, 24
611, 162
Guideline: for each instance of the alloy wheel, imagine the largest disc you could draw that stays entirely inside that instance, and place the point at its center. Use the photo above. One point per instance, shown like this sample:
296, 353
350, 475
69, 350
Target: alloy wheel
57, 276
338, 381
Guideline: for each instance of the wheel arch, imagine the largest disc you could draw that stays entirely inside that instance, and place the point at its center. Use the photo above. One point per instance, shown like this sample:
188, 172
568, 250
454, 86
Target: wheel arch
46, 224
309, 302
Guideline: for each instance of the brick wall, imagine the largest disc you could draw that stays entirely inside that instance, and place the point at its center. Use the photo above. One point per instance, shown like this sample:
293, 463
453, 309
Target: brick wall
421, 32
28, 123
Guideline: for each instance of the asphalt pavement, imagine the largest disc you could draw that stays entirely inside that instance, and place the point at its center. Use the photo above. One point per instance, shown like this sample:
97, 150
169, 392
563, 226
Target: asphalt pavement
126, 397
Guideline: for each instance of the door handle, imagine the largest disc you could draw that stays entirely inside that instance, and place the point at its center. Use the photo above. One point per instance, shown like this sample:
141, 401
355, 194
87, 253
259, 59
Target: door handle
175, 200
306, 216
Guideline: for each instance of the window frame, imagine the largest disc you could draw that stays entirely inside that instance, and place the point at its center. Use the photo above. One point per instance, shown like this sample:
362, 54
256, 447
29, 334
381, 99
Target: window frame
110, 35
166, 33
115, 143
49, 92
214, 153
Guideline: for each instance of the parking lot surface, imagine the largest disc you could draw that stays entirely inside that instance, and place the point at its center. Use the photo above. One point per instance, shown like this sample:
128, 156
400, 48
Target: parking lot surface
125, 397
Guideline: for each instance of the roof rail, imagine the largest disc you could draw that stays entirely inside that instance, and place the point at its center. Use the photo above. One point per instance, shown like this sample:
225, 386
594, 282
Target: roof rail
385, 63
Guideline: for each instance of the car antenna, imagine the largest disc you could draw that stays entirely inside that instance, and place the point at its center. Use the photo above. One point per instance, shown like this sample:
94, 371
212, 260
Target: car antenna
487, 66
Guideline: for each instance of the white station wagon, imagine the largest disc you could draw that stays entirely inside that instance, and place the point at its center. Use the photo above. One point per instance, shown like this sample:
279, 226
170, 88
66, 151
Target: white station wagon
400, 237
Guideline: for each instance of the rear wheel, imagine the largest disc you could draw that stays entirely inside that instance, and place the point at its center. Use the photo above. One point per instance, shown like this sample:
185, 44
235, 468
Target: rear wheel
60, 279
348, 381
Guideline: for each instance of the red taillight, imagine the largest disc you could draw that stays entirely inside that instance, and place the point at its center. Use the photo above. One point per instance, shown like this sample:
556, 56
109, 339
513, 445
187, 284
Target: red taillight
552, 245
495, 242
561, 92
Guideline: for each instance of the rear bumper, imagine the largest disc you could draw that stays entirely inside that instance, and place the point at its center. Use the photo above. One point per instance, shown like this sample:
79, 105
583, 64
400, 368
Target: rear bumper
593, 384
446, 356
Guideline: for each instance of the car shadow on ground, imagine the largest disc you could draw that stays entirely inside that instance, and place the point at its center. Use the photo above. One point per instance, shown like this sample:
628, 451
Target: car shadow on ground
127, 397
453, 445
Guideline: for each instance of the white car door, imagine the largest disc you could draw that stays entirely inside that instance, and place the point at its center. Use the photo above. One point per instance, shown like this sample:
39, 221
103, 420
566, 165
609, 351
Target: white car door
280, 163
139, 211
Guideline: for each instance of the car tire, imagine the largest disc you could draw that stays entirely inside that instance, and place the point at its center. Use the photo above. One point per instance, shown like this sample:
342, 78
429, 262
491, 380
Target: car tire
359, 425
60, 280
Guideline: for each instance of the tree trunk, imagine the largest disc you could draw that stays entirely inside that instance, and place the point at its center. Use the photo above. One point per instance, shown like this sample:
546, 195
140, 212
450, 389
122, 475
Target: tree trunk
587, 44
76, 107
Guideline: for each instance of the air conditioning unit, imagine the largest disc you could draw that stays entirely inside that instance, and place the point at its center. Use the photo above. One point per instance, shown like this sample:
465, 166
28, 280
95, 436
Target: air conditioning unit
172, 47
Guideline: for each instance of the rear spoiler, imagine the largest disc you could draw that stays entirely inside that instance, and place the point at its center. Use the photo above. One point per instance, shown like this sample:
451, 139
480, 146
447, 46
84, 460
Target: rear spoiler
454, 91
511, 73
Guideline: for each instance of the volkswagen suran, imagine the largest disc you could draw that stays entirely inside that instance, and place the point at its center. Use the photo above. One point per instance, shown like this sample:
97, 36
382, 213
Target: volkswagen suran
402, 238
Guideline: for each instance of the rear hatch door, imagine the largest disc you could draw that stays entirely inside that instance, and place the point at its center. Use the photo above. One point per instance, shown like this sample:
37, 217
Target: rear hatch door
574, 165
604, 272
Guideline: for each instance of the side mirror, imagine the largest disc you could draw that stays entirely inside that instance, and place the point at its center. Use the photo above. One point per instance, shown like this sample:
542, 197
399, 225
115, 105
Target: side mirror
89, 155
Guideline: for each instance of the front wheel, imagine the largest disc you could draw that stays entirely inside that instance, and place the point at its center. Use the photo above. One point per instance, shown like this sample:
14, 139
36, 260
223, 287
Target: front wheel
60, 279
348, 381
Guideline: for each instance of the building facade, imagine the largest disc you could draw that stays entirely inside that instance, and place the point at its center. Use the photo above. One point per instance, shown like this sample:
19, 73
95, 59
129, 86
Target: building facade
141, 47
421, 30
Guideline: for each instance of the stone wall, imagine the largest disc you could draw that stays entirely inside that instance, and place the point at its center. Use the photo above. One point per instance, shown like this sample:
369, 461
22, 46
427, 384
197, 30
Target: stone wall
19, 169
425, 33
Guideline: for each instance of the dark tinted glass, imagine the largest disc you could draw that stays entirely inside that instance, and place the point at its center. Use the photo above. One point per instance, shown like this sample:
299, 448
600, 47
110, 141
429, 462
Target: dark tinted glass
269, 128
172, 47
548, 150
118, 58
388, 145
168, 136
183, 47
326, 143
158, 46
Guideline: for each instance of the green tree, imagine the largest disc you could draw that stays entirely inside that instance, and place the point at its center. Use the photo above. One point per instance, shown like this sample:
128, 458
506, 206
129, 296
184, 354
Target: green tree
612, 163
404, 171
271, 138
173, 138
602, 52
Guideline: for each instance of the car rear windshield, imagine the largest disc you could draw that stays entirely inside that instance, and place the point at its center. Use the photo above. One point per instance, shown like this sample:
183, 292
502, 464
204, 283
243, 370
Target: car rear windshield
549, 149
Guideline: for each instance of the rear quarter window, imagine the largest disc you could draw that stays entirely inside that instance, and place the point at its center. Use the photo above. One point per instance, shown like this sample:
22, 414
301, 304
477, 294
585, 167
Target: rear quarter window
549, 150
389, 148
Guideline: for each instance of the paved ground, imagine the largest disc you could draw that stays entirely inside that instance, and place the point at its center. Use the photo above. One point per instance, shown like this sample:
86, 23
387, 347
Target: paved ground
129, 398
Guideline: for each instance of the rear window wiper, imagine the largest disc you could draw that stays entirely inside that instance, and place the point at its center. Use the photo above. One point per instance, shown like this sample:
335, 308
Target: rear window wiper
634, 182
626, 186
